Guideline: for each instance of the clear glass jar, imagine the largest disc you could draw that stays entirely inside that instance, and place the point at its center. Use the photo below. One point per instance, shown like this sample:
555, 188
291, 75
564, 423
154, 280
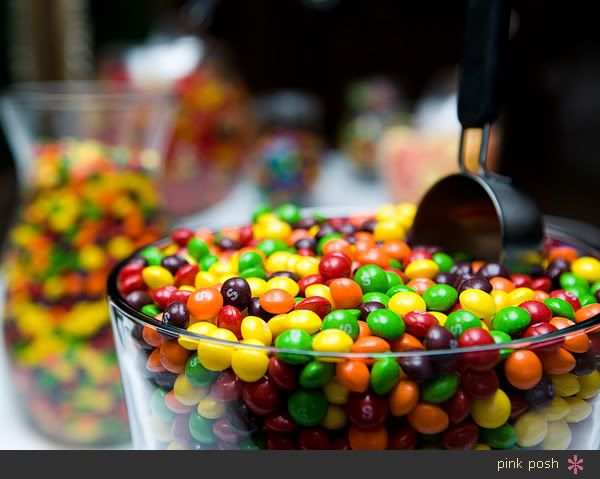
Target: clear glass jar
209, 406
86, 155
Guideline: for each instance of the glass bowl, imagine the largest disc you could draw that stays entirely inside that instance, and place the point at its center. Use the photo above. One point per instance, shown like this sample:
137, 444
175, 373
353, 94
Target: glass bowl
202, 409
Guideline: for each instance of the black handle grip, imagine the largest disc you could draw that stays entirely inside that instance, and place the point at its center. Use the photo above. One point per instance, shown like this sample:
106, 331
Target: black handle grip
485, 41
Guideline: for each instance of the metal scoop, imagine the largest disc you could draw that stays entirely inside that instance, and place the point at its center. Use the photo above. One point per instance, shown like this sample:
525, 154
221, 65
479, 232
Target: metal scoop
481, 213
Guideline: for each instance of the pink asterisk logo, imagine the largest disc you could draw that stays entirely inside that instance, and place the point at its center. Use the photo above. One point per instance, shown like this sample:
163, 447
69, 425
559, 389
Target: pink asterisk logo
575, 464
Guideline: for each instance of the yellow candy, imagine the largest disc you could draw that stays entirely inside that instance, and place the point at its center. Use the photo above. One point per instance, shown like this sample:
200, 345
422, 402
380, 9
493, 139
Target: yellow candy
406, 213
389, 229
492, 412
204, 279
221, 268
332, 340
210, 408
161, 429
187, 287
558, 436
253, 327
290, 264
175, 446
306, 266
587, 267
565, 384
478, 302
216, 357
92, 257
257, 286
500, 299
120, 247
203, 328
520, 295
558, 409
187, 394
482, 447
335, 418
580, 410
318, 290
303, 319
276, 230
249, 364
277, 261
266, 218
336, 393
405, 301
54, 287
284, 283
590, 385
157, 276
277, 324
441, 317
422, 268
171, 250
531, 429
386, 212
225, 277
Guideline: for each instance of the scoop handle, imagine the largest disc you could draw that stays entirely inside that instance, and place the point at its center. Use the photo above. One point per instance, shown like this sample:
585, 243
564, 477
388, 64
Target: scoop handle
486, 36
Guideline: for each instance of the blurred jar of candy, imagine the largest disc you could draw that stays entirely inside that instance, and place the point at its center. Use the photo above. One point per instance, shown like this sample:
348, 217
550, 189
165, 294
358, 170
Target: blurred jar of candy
213, 130
371, 105
288, 151
86, 156
412, 158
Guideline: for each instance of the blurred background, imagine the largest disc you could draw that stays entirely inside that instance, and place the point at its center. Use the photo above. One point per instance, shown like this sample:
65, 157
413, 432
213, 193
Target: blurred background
341, 103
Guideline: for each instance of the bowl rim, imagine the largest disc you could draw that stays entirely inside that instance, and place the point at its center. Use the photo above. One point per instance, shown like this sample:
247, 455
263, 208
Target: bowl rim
118, 305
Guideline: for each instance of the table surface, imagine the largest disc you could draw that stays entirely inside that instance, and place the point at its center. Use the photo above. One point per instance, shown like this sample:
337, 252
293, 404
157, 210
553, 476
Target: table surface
337, 186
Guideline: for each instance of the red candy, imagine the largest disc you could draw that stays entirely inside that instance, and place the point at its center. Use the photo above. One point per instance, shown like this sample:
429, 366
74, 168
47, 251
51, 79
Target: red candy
539, 312
418, 322
480, 360
335, 265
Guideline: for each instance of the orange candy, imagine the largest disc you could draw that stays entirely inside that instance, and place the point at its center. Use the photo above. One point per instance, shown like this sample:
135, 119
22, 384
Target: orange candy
363, 329
151, 336
523, 369
420, 285
404, 397
370, 344
205, 303
153, 363
428, 419
540, 295
277, 301
587, 312
560, 361
353, 375
406, 342
173, 357
574, 343
374, 256
502, 284
396, 249
338, 245
346, 293
375, 439
476, 265
563, 252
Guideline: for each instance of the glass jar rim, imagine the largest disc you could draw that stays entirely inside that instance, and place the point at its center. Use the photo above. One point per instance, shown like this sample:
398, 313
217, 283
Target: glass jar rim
82, 95
116, 301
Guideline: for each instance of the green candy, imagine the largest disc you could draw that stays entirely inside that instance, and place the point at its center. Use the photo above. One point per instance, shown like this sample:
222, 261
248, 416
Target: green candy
568, 280
578, 291
503, 437
371, 278
500, 337
201, 429
207, 261
289, 213
444, 261
197, 248
294, 339
325, 239
560, 307
595, 287
270, 246
398, 289
394, 263
386, 324
152, 255
316, 374
376, 297
158, 406
587, 299
308, 407
393, 279
439, 389
440, 297
260, 210
459, 321
257, 444
254, 273
250, 259
150, 310
197, 375
511, 320
385, 374
344, 319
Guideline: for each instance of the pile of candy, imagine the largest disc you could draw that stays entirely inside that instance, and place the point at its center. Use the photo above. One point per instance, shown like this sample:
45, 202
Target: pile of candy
333, 296
88, 207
